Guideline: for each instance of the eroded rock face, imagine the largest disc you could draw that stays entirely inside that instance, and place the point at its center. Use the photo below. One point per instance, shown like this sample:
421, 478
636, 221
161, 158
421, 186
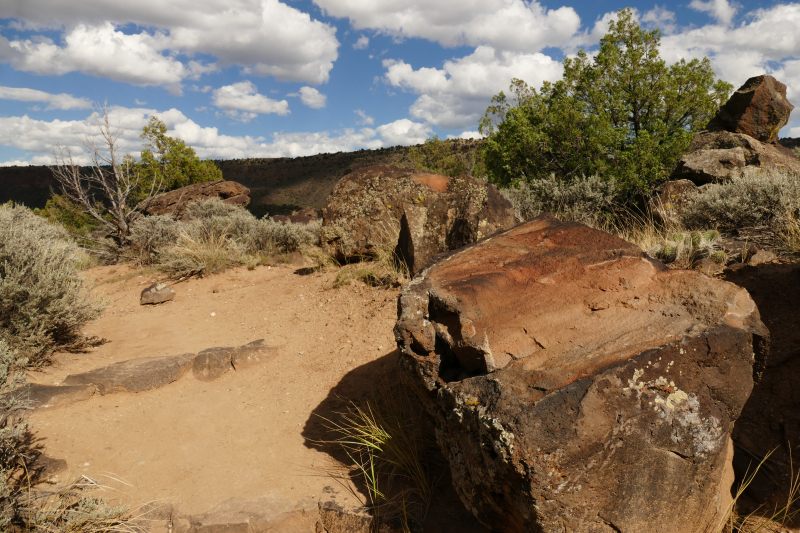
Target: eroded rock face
759, 109
579, 385
174, 203
715, 157
415, 213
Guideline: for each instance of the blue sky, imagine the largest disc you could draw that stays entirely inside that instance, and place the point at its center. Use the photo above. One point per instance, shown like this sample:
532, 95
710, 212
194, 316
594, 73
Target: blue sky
272, 78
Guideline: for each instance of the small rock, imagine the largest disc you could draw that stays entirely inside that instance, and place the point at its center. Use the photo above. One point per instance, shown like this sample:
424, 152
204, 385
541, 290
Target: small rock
761, 257
157, 293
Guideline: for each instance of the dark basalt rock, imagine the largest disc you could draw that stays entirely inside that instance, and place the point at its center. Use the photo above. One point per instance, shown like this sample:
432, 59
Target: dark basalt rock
417, 214
579, 385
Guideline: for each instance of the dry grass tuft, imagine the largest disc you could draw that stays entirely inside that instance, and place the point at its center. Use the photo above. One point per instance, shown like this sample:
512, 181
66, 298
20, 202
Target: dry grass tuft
392, 453
762, 520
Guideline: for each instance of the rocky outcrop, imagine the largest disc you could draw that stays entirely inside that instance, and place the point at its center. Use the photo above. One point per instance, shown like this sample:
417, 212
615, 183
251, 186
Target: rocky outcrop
174, 203
758, 109
579, 385
719, 156
414, 213
742, 137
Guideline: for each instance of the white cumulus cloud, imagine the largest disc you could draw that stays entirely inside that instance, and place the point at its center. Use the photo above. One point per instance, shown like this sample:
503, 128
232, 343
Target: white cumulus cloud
54, 101
457, 95
721, 10
241, 101
361, 43
264, 37
518, 25
404, 132
312, 97
38, 137
364, 119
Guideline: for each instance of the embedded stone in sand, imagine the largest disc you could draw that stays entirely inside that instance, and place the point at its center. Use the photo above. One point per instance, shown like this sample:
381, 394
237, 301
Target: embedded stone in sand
578, 384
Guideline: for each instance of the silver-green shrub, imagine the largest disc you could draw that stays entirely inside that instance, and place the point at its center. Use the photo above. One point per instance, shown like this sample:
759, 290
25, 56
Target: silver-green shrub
44, 301
151, 234
13, 432
755, 199
215, 235
581, 199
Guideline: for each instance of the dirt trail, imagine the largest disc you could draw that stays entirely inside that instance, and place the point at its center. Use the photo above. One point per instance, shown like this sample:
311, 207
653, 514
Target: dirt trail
196, 443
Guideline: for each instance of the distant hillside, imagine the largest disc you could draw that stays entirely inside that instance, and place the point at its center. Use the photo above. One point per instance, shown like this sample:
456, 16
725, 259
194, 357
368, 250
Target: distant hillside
277, 185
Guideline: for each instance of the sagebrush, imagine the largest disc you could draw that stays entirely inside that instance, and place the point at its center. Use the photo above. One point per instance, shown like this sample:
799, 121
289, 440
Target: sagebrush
582, 199
44, 300
212, 236
756, 199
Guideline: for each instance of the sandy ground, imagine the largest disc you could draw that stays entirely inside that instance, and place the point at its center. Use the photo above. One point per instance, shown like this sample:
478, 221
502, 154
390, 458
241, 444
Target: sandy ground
196, 443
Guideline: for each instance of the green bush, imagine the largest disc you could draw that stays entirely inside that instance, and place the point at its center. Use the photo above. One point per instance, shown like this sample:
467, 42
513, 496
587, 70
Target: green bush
756, 199
620, 113
582, 199
44, 301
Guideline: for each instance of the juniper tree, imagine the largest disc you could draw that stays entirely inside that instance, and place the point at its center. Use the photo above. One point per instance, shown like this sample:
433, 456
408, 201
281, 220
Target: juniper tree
622, 114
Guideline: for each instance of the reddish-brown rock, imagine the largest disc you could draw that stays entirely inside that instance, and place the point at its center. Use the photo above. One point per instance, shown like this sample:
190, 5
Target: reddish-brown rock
759, 109
414, 213
579, 385
174, 203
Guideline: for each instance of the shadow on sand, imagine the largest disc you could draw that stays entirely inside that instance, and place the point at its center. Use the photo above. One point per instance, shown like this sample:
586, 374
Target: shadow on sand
447, 514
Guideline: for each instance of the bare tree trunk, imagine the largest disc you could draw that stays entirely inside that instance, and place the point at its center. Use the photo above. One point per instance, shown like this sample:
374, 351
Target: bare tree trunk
112, 179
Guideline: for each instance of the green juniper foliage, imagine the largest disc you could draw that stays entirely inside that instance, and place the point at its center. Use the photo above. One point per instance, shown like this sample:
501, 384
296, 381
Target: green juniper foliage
623, 114
168, 158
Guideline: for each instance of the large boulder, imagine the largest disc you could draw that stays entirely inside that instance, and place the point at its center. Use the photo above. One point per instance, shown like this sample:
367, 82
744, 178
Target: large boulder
714, 157
579, 385
174, 203
414, 213
742, 138
759, 109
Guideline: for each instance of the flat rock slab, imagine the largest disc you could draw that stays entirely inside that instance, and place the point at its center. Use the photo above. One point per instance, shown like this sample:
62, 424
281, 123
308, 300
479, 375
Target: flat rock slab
135, 375
266, 515
139, 375
578, 385
49, 396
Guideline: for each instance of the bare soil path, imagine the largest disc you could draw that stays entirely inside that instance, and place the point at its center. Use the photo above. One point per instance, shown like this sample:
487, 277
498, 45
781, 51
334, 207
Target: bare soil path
196, 443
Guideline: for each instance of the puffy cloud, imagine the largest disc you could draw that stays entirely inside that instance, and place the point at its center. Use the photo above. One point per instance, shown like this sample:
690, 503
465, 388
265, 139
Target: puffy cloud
503, 24
767, 43
721, 10
364, 119
54, 101
38, 137
456, 96
312, 97
661, 18
241, 101
467, 135
404, 132
361, 43
265, 37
